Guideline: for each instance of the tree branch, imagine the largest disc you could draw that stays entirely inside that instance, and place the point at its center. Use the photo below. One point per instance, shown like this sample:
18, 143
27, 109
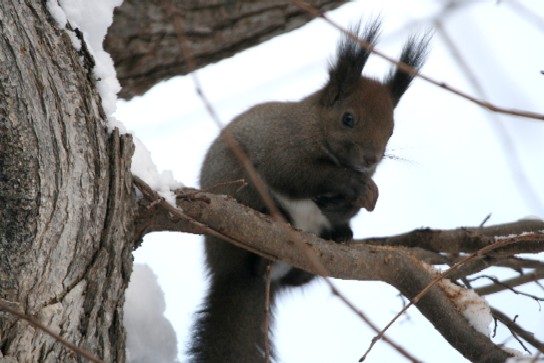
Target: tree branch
510, 284
201, 212
517, 330
466, 239
143, 45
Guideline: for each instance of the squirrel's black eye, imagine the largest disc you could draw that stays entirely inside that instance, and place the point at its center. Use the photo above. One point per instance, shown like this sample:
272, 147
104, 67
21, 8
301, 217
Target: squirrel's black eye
347, 119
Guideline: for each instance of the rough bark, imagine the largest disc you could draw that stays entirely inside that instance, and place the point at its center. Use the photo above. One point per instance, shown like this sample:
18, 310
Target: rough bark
144, 46
66, 199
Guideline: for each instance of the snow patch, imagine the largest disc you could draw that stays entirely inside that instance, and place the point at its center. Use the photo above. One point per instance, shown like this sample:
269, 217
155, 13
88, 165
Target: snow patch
142, 166
92, 18
514, 235
150, 336
473, 307
57, 13
531, 218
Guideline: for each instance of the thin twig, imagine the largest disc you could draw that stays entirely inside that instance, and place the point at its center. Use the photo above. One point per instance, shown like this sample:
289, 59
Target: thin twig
371, 324
520, 341
500, 243
529, 337
316, 13
85, 354
518, 264
485, 220
155, 199
510, 151
510, 284
231, 141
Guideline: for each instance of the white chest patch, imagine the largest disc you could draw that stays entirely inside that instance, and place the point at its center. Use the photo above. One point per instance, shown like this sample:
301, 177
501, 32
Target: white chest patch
306, 216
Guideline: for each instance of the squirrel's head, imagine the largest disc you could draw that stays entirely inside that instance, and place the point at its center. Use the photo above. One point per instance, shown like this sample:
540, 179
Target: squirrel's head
356, 112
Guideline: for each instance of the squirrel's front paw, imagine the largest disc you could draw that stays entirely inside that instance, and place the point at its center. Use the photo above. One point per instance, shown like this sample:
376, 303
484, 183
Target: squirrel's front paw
368, 197
339, 234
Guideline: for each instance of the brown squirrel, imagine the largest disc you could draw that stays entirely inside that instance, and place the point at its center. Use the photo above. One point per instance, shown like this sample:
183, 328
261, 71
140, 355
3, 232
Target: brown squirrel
316, 157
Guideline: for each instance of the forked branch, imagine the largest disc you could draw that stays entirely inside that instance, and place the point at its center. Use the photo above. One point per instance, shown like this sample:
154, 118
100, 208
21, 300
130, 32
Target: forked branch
200, 212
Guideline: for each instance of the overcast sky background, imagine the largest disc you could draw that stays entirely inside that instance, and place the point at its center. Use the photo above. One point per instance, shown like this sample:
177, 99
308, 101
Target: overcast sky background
453, 162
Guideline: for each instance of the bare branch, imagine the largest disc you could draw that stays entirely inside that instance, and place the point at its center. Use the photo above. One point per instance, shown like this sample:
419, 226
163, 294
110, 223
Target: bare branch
467, 239
373, 326
516, 329
143, 45
489, 106
517, 263
246, 228
483, 262
510, 284
510, 153
439, 277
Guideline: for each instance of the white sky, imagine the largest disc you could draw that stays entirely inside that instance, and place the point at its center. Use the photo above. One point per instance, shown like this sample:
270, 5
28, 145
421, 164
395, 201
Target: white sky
454, 165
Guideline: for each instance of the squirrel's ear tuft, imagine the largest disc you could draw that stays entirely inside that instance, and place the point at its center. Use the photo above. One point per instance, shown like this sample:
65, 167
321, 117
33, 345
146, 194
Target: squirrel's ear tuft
414, 55
345, 71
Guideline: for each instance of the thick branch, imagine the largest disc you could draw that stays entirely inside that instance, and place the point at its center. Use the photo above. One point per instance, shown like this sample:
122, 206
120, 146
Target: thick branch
251, 230
144, 46
466, 239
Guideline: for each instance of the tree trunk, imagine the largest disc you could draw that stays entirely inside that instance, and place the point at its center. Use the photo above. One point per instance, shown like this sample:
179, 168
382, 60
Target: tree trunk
66, 198
144, 46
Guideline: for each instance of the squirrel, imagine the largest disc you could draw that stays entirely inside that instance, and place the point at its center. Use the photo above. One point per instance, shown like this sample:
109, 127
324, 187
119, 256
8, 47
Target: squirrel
316, 157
